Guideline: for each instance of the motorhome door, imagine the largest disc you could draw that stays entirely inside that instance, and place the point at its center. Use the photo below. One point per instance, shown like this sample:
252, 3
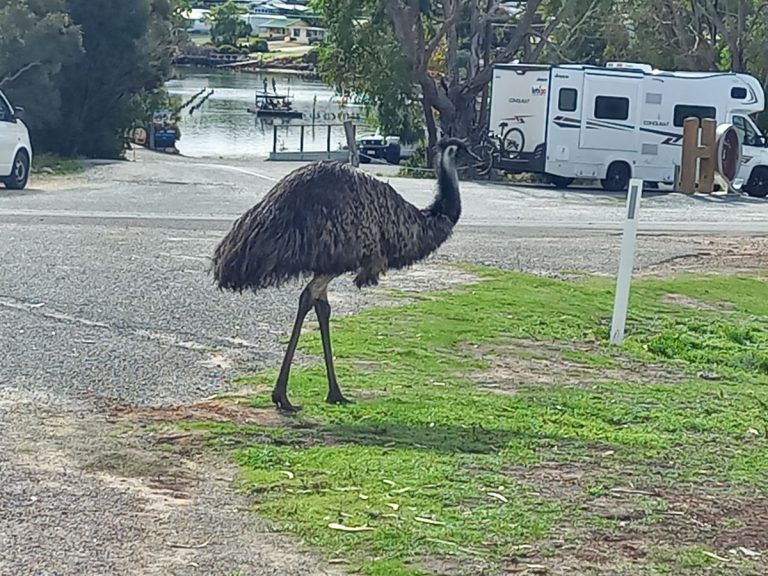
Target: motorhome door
610, 111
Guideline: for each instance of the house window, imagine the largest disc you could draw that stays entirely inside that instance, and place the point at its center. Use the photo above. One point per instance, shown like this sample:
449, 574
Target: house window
683, 111
567, 99
296, 32
611, 108
738, 93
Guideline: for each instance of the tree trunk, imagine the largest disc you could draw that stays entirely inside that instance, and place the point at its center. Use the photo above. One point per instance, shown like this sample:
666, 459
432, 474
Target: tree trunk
429, 117
461, 123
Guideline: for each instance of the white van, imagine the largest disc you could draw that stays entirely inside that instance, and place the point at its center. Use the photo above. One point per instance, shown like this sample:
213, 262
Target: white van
619, 122
15, 149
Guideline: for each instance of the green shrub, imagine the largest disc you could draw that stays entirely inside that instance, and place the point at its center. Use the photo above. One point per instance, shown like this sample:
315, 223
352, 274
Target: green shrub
258, 45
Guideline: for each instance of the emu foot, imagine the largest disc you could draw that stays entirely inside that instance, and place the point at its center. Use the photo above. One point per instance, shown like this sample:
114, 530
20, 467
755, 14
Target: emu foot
337, 398
282, 402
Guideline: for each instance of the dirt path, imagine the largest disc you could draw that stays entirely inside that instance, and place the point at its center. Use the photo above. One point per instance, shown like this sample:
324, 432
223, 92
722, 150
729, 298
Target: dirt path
82, 496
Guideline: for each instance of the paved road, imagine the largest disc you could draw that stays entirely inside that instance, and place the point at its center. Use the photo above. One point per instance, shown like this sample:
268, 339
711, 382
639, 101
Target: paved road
172, 191
104, 290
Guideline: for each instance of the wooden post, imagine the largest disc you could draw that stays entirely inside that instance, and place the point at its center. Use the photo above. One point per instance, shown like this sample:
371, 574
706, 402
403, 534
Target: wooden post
274, 138
328, 141
697, 167
707, 156
301, 141
349, 131
690, 157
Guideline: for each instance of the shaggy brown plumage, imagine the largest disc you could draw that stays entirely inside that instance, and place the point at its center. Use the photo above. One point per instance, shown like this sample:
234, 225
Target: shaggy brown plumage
327, 219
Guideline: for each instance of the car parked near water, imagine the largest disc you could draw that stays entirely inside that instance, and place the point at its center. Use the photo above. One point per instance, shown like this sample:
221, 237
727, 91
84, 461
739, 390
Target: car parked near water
15, 148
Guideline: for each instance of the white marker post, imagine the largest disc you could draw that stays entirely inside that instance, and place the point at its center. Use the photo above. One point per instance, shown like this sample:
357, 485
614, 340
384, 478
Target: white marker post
626, 263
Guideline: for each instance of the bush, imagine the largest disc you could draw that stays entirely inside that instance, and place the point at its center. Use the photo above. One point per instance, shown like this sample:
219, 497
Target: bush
258, 45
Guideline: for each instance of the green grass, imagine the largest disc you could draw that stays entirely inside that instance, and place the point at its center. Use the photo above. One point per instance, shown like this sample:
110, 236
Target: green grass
56, 165
423, 442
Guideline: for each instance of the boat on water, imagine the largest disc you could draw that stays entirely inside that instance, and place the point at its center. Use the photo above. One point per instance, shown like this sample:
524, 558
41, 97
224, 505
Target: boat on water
274, 106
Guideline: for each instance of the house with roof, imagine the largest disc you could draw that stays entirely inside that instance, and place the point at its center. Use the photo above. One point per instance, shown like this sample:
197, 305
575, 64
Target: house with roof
282, 27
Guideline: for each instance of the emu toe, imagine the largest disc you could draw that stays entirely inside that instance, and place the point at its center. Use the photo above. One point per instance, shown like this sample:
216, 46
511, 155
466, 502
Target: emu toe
338, 399
284, 404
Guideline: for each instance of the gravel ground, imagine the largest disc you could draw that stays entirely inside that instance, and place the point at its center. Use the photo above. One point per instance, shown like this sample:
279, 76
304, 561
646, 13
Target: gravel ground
105, 294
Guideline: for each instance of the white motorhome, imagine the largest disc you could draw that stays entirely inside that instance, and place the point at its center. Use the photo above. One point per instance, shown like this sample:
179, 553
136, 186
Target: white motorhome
619, 122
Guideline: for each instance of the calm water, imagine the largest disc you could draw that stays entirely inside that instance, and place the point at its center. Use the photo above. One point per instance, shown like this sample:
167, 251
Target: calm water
222, 127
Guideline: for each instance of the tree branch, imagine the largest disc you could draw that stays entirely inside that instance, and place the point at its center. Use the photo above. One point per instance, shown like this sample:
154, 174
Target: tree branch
522, 30
405, 22
19, 72
544, 35
448, 22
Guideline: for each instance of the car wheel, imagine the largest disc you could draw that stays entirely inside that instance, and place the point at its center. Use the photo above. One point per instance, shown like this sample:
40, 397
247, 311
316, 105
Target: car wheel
757, 186
617, 178
19, 172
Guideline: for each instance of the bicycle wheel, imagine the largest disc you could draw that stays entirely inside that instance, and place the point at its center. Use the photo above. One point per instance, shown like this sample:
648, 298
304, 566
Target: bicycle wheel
513, 143
485, 152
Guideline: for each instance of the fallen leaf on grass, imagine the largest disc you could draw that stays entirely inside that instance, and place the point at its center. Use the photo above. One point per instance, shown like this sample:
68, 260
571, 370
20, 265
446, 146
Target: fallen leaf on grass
498, 497
335, 526
287, 473
394, 506
402, 490
429, 521
389, 482
362, 497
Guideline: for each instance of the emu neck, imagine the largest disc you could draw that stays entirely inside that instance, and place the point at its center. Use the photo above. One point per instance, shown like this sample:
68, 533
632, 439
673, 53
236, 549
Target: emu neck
447, 201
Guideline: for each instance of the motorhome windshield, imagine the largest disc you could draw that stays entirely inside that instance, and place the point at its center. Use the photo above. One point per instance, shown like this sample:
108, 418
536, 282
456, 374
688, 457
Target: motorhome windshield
748, 131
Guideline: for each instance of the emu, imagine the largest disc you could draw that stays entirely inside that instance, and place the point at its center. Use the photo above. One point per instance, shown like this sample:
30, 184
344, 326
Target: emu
327, 219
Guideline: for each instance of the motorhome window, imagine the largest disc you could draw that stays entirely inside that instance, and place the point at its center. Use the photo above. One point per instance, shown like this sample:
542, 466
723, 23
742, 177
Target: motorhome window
611, 108
652, 98
567, 100
683, 111
5, 112
738, 93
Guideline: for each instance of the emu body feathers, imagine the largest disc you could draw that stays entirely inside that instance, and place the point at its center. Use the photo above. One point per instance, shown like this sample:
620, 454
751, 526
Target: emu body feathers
326, 219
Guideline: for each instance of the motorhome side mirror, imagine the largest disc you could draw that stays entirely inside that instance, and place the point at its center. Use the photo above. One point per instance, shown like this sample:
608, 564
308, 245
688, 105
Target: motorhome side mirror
19, 112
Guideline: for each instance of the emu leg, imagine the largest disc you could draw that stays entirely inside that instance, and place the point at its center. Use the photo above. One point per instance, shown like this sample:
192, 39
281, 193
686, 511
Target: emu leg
323, 311
280, 393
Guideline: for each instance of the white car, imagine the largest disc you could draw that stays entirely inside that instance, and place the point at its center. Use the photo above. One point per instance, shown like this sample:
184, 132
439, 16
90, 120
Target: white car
15, 149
